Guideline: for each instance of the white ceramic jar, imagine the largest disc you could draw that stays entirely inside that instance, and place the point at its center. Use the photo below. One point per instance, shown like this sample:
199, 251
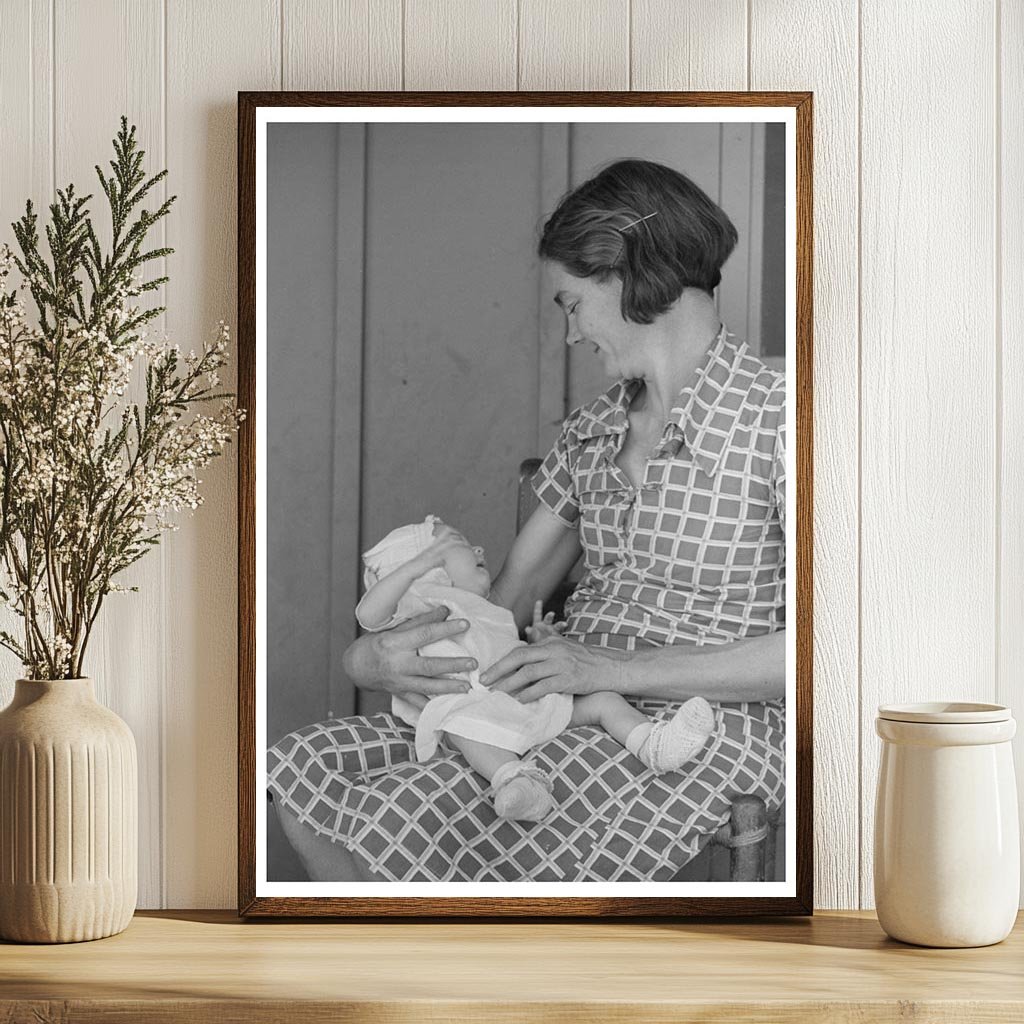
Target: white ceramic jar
947, 847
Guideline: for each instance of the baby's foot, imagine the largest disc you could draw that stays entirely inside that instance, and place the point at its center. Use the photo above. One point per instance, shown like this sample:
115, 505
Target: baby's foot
522, 792
667, 745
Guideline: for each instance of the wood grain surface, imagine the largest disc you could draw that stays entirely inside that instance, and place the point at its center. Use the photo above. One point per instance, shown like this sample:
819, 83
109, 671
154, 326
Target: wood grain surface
208, 966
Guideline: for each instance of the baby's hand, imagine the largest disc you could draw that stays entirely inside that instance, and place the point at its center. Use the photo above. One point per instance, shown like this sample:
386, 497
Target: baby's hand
543, 626
446, 539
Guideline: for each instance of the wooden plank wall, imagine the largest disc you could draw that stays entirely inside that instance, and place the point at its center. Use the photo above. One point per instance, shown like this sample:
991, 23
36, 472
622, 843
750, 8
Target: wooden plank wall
918, 307
433, 345
318, 352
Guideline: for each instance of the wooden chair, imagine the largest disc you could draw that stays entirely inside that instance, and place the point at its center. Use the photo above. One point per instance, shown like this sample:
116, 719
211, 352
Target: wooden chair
749, 838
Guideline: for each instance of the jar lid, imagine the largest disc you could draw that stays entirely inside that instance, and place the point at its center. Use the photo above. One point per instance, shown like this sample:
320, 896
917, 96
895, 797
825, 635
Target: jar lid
945, 712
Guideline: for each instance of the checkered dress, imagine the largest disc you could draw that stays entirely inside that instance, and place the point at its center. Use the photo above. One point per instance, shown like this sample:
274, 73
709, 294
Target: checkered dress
694, 556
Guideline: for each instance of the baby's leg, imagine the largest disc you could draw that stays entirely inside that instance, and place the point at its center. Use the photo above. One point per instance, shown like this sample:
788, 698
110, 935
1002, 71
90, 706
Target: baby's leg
482, 757
522, 792
662, 746
611, 711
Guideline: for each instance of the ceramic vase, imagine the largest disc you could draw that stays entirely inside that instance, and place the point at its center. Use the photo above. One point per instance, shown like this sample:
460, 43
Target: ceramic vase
947, 847
68, 815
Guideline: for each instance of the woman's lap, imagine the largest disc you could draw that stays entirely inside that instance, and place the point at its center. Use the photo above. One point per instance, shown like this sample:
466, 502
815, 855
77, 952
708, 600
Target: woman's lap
355, 781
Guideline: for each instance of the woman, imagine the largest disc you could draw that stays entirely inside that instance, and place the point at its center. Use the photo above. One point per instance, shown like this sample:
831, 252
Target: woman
672, 484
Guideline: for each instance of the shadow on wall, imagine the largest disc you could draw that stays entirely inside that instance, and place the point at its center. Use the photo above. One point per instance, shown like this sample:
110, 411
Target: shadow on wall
283, 864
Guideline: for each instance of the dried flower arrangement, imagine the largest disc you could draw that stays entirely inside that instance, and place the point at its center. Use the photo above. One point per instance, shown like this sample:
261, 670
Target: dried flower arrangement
89, 478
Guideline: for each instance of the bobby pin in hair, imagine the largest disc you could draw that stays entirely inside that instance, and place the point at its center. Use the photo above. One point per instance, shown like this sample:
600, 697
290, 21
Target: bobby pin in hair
622, 231
639, 220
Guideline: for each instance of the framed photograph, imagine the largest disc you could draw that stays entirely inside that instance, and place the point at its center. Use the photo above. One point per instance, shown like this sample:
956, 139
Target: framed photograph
525, 504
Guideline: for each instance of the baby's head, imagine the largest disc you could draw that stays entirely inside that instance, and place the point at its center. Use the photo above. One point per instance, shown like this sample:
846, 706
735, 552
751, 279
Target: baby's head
465, 565
459, 564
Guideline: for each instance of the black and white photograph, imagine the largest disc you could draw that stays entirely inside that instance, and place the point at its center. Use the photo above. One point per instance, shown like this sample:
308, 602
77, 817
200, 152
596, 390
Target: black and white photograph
525, 503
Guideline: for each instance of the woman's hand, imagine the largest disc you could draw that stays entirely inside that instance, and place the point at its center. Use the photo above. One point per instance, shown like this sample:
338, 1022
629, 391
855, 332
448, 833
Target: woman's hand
387, 662
556, 665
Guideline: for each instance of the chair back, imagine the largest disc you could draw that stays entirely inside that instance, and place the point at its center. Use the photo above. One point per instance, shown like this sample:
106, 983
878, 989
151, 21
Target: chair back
527, 500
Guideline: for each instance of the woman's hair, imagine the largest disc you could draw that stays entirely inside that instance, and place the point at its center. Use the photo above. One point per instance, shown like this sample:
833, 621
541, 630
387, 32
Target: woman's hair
647, 223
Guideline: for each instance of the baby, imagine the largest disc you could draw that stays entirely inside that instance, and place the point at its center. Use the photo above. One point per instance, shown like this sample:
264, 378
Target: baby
417, 568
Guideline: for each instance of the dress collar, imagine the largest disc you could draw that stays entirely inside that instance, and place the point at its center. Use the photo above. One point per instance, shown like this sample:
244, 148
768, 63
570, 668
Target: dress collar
693, 416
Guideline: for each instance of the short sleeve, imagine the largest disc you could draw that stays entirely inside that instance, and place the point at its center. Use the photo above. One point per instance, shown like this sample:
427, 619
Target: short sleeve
409, 605
553, 482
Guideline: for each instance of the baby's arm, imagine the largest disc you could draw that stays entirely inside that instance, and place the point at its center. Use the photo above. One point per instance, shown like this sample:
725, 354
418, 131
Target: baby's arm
543, 625
380, 602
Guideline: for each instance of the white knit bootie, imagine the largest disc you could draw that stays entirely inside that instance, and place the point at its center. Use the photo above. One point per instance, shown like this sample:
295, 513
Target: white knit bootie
522, 792
667, 745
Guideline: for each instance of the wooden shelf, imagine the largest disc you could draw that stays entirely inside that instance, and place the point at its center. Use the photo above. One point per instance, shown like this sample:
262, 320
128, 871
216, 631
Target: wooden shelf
209, 966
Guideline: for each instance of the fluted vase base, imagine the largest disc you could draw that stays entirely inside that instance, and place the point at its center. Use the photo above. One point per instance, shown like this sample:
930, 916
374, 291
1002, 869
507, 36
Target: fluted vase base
68, 815
64, 913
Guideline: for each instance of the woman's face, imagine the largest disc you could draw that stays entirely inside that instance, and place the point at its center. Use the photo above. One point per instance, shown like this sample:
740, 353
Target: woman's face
594, 317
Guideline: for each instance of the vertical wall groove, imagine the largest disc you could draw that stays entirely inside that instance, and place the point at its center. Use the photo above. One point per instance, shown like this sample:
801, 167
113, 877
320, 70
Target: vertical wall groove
519, 30
33, 170
570, 172
997, 235
53, 98
629, 31
750, 45
368, 135
332, 655
859, 475
162, 613
349, 202
1010, 284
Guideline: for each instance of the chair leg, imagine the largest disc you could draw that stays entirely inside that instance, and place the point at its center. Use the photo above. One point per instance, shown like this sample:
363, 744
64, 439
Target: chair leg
747, 839
770, 842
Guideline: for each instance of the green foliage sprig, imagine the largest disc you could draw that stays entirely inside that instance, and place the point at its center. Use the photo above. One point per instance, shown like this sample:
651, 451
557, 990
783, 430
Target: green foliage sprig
89, 478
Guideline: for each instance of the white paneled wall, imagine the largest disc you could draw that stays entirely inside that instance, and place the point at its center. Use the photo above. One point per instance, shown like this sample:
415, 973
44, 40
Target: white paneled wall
919, 307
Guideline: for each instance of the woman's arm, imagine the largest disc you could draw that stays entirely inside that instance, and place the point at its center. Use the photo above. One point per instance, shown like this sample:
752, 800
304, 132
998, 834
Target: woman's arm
750, 669
540, 556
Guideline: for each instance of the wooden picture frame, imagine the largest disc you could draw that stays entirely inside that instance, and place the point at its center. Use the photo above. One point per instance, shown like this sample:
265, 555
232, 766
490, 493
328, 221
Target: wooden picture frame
258, 896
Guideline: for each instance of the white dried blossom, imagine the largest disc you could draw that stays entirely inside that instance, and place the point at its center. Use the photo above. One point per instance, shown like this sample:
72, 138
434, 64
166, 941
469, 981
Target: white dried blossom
93, 470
